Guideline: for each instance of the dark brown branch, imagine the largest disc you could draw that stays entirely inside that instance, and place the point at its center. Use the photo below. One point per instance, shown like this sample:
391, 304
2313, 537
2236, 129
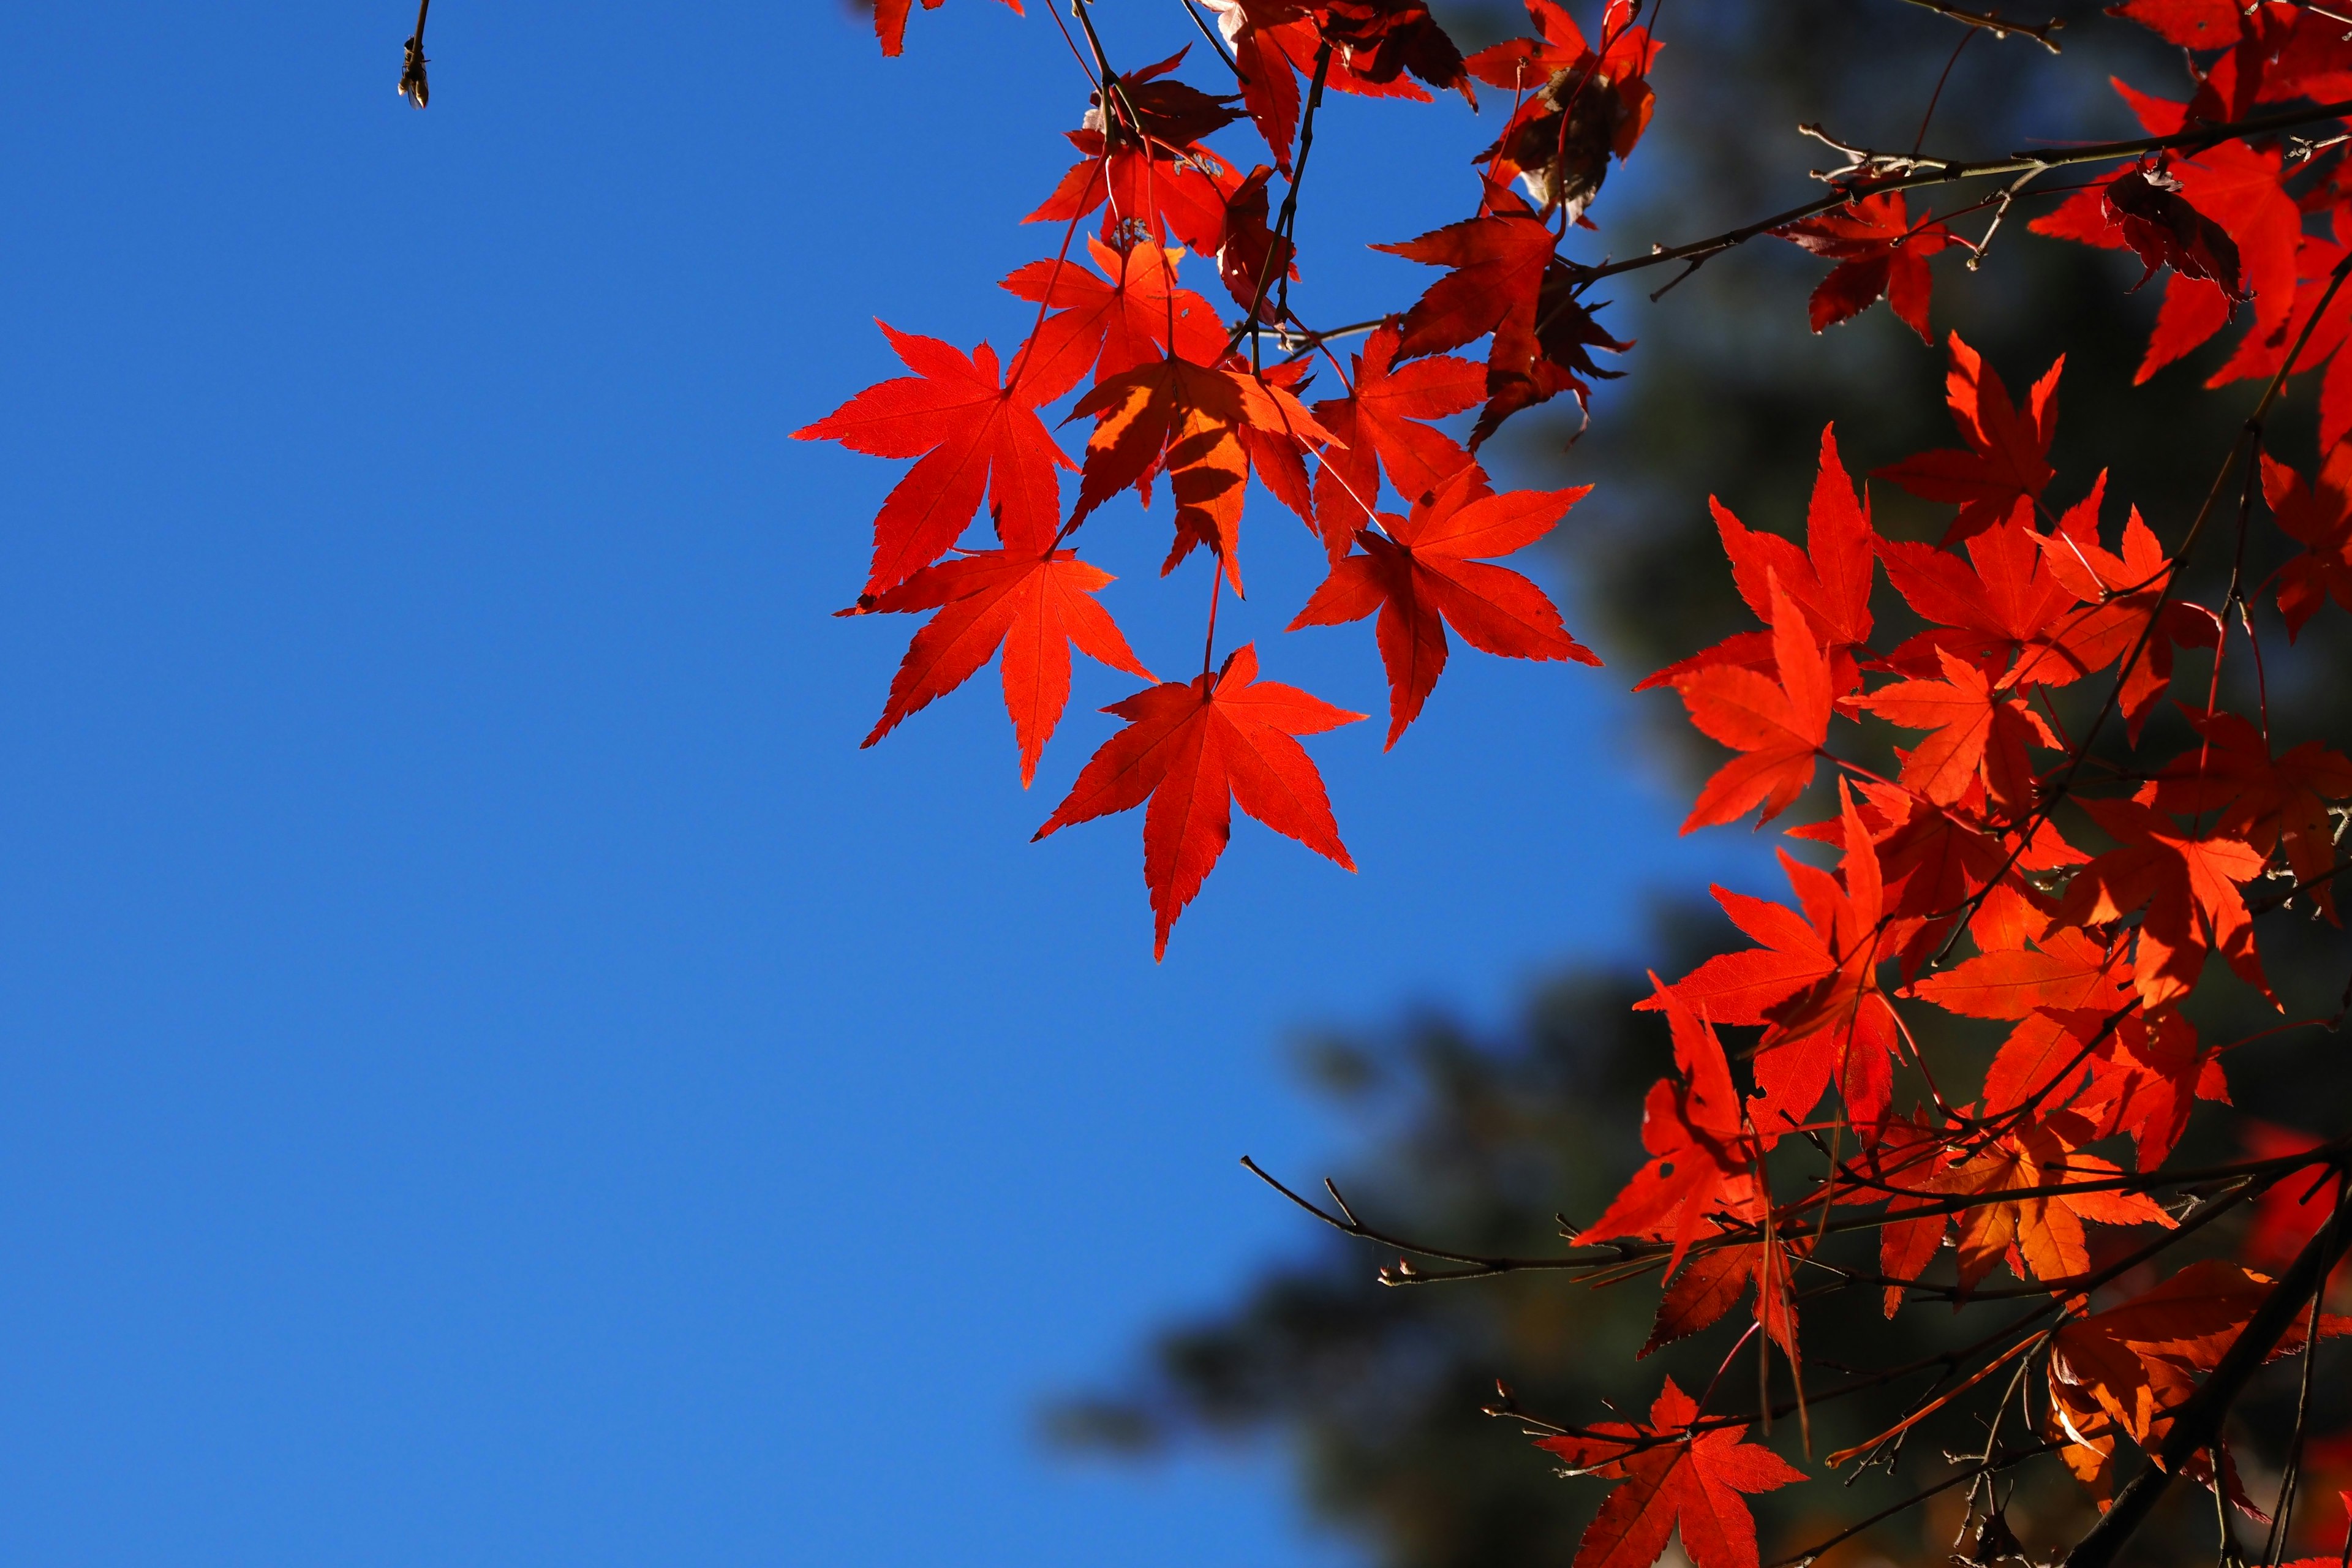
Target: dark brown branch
2198, 1425
1947, 170
1991, 22
1604, 1255
413, 85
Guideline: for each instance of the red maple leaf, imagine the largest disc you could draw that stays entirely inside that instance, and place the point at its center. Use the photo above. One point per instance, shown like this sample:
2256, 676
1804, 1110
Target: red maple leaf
2004, 600
890, 20
1575, 108
1252, 32
2270, 803
1713, 1281
2319, 518
1778, 726
2227, 195
1251, 257
2188, 885
975, 438
1131, 315
1830, 580
1380, 424
1034, 603
1195, 749
1497, 263
2131, 1367
1420, 576
1188, 419
1382, 39
2122, 591
1702, 1152
2289, 1213
1504, 280
2038, 988
1980, 734
2186, 23
1813, 983
2145, 204
1691, 1483
2006, 463
1149, 164
1879, 252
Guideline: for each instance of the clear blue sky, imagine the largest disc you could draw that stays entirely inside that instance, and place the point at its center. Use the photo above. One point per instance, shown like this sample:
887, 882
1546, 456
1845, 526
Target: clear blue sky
492, 1073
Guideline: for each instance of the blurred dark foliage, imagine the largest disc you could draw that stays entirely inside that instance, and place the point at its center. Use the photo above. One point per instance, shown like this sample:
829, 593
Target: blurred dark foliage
1374, 1394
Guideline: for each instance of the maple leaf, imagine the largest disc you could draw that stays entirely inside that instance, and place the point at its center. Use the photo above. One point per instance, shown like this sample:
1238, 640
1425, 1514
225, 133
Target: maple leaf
1035, 604
2145, 1078
1576, 107
1713, 1281
1504, 280
1420, 577
1269, 83
1195, 749
2007, 464
1777, 726
2188, 886
2289, 1212
1813, 983
2270, 804
1830, 580
2145, 204
1247, 259
1533, 362
2064, 971
1497, 263
2186, 23
2133, 1364
975, 438
2003, 601
1940, 863
2041, 1237
1382, 39
2319, 518
2124, 591
1145, 160
1188, 418
1879, 252
1381, 423
890, 20
1131, 315
1702, 1152
2038, 1234
1980, 731
1693, 1485
2204, 215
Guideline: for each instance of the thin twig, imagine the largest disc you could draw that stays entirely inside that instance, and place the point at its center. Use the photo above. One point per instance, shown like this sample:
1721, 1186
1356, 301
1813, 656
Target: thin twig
1991, 22
1948, 171
1215, 42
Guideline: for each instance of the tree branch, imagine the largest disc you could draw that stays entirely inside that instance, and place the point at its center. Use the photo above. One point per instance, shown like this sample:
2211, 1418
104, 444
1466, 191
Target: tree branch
1947, 170
413, 85
1991, 22
2198, 1423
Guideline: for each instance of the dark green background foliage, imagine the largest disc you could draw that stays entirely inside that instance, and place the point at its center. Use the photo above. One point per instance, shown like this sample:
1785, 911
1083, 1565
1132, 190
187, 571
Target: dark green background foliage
1373, 1394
